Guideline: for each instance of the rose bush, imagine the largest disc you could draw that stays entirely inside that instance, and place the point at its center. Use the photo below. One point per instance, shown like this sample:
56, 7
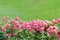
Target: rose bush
14, 29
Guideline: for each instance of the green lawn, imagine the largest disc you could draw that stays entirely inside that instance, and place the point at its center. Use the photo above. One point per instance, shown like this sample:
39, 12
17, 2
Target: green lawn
30, 9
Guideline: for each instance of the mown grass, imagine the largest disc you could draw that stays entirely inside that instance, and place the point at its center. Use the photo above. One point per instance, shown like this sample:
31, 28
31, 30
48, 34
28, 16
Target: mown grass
30, 9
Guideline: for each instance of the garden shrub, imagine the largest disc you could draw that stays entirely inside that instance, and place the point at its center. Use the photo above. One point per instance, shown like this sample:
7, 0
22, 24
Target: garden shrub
15, 29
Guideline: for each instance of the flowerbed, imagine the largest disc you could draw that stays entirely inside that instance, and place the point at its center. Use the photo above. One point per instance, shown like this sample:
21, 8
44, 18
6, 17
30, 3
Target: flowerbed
14, 29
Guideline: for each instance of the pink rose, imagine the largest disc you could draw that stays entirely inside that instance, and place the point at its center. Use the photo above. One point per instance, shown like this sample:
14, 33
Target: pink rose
17, 18
4, 29
8, 35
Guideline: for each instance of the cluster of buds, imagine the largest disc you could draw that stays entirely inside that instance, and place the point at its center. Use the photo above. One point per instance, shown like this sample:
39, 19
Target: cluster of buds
34, 25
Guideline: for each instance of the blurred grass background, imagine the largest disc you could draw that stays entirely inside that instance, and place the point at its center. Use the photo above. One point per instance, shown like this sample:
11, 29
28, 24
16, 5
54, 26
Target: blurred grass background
30, 9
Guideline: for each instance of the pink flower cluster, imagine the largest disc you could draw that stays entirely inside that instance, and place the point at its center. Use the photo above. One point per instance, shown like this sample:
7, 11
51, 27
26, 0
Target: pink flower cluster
56, 21
42, 26
11, 25
34, 25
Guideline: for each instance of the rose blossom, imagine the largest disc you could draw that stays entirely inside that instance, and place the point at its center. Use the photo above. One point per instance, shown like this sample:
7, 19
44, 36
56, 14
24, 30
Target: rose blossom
4, 29
52, 29
17, 18
8, 35
58, 35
